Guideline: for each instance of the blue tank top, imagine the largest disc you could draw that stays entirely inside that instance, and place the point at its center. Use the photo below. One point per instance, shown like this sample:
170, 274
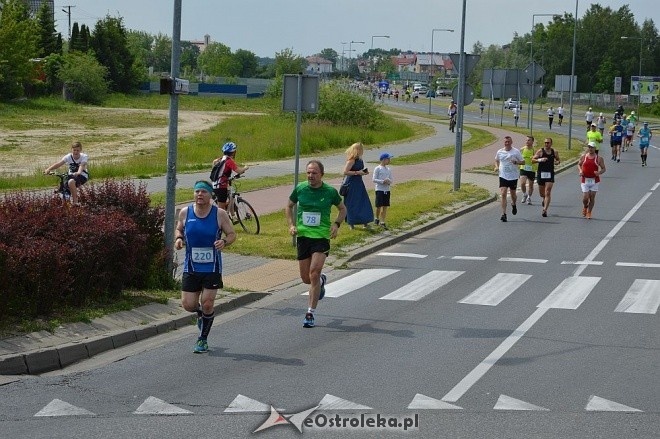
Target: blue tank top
200, 234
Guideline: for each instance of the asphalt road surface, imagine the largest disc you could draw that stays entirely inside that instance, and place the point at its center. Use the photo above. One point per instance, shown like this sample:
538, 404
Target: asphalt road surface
538, 327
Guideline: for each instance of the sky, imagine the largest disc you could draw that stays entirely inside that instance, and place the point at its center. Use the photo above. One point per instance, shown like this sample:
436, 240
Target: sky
265, 27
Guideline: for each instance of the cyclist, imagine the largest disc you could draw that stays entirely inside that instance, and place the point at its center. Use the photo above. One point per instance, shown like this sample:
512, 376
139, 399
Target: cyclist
451, 112
78, 175
221, 186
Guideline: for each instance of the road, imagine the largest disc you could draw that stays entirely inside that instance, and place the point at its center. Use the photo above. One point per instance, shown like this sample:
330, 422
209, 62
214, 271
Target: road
539, 327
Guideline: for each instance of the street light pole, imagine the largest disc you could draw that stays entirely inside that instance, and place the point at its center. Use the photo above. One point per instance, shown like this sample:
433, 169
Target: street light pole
343, 43
431, 62
570, 92
532, 98
350, 54
372, 46
639, 76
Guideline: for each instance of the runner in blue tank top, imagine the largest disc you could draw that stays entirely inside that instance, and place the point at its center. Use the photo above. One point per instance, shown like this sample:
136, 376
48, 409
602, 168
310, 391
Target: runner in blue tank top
199, 228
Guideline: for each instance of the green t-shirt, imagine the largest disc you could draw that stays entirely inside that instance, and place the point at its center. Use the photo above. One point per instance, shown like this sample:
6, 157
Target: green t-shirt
595, 136
314, 206
527, 154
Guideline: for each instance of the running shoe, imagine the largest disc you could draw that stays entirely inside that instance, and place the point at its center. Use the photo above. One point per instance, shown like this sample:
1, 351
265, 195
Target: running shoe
201, 347
324, 279
588, 215
503, 218
584, 211
514, 209
529, 200
524, 200
544, 213
308, 322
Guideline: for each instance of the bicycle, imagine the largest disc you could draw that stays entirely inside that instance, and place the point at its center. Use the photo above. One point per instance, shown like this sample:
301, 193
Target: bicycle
452, 122
62, 191
240, 211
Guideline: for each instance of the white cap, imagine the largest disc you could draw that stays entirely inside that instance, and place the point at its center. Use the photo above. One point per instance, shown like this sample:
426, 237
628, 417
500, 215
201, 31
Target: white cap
601, 114
592, 144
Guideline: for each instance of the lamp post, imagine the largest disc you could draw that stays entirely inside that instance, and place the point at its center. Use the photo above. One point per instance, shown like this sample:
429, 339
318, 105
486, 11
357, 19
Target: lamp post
530, 107
373, 64
639, 76
431, 62
350, 54
343, 43
570, 92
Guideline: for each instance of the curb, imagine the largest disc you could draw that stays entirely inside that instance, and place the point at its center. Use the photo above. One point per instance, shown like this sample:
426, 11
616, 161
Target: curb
57, 357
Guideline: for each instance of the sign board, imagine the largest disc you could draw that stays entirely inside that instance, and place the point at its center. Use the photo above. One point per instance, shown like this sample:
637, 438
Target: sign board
534, 71
310, 93
502, 83
468, 97
563, 83
470, 62
645, 85
169, 85
617, 84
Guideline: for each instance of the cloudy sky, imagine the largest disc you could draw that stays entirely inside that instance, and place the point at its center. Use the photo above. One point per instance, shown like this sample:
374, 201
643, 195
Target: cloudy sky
265, 27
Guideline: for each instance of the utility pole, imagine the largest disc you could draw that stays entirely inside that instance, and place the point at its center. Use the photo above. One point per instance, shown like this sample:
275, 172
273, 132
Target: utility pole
67, 11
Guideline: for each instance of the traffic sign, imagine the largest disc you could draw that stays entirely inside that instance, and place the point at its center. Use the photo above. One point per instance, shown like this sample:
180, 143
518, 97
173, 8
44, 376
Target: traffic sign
470, 62
467, 98
534, 71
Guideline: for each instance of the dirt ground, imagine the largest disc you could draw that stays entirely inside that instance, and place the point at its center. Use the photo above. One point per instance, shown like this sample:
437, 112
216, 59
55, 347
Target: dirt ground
33, 149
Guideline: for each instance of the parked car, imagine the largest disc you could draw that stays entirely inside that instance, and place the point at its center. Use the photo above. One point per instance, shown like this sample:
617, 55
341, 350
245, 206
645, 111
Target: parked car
443, 92
510, 104
423, 90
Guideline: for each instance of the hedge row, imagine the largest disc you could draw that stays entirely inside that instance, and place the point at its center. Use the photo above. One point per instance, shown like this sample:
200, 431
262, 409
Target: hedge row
54, 255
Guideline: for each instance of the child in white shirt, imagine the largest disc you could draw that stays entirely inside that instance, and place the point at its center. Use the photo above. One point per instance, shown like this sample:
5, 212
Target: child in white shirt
382, 178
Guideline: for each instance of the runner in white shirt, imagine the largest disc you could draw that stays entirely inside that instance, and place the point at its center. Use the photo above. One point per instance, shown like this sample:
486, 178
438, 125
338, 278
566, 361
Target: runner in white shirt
507, 162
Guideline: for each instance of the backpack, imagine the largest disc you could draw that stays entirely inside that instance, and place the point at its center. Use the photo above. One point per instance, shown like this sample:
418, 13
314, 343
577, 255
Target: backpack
216, 172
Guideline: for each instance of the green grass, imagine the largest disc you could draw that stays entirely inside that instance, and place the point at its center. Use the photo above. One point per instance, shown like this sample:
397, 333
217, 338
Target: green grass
413, 203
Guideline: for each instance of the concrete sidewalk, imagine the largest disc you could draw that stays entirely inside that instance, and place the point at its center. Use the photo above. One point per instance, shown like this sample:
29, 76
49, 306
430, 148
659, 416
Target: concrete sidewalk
43, 351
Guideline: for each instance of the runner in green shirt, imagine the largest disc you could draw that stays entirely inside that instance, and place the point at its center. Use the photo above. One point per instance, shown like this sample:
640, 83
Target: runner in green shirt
313, 229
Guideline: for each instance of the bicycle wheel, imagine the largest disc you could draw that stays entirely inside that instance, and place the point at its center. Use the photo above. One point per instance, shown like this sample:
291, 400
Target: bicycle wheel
246, 216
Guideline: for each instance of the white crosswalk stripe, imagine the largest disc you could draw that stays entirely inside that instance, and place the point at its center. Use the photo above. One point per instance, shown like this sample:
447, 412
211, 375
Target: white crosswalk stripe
643, 297
356, 281
423, 286
498, 288
570, 293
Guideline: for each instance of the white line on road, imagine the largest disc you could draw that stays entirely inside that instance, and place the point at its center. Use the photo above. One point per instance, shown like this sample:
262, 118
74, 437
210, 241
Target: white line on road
423, 286
480, 370
533, 261
403, 255
356, 281
470, 258
581, 262
643, 297
570, 293
498, 288
635, 264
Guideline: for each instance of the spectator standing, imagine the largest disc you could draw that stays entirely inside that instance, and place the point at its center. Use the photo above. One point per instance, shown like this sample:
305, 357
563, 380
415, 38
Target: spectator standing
358, 205
382, 178
507, 160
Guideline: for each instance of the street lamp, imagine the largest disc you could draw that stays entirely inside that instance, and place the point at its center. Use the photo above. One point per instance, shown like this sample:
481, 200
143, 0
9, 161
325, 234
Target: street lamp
570, 93
350, 54
639, 77
372, 46
532, 97
431, 62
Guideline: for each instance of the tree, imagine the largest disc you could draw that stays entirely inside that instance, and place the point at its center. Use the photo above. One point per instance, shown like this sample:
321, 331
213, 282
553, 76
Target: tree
288, 63
330, 55
83, 77
189, 56
161, 53
248, 62
139, 44
19, 38
110, 46
75, 37
48, 37
217, 60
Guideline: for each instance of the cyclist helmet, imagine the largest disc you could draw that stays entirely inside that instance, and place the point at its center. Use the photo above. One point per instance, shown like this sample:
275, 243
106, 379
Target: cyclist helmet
228, 147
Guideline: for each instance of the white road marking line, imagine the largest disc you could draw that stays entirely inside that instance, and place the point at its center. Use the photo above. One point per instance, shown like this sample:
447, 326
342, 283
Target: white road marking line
155, 406
480, 370
498, 288
403, 255
423, 286
470, 258
643, 297
331, 402
533, 261
423, 402
57, 407
598, 404
581, 262
242, 404
355, 281
635, 264
505, 402
570, 293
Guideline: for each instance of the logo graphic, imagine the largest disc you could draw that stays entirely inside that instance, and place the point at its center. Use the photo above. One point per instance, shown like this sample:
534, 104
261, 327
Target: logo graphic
276, 418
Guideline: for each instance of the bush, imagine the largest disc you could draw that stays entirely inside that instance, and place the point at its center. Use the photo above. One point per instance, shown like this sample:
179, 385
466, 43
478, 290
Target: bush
342, 107
83, 77
53, 255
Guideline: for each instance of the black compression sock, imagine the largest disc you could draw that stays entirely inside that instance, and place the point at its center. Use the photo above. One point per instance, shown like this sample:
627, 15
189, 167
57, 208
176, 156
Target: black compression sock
207, 322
